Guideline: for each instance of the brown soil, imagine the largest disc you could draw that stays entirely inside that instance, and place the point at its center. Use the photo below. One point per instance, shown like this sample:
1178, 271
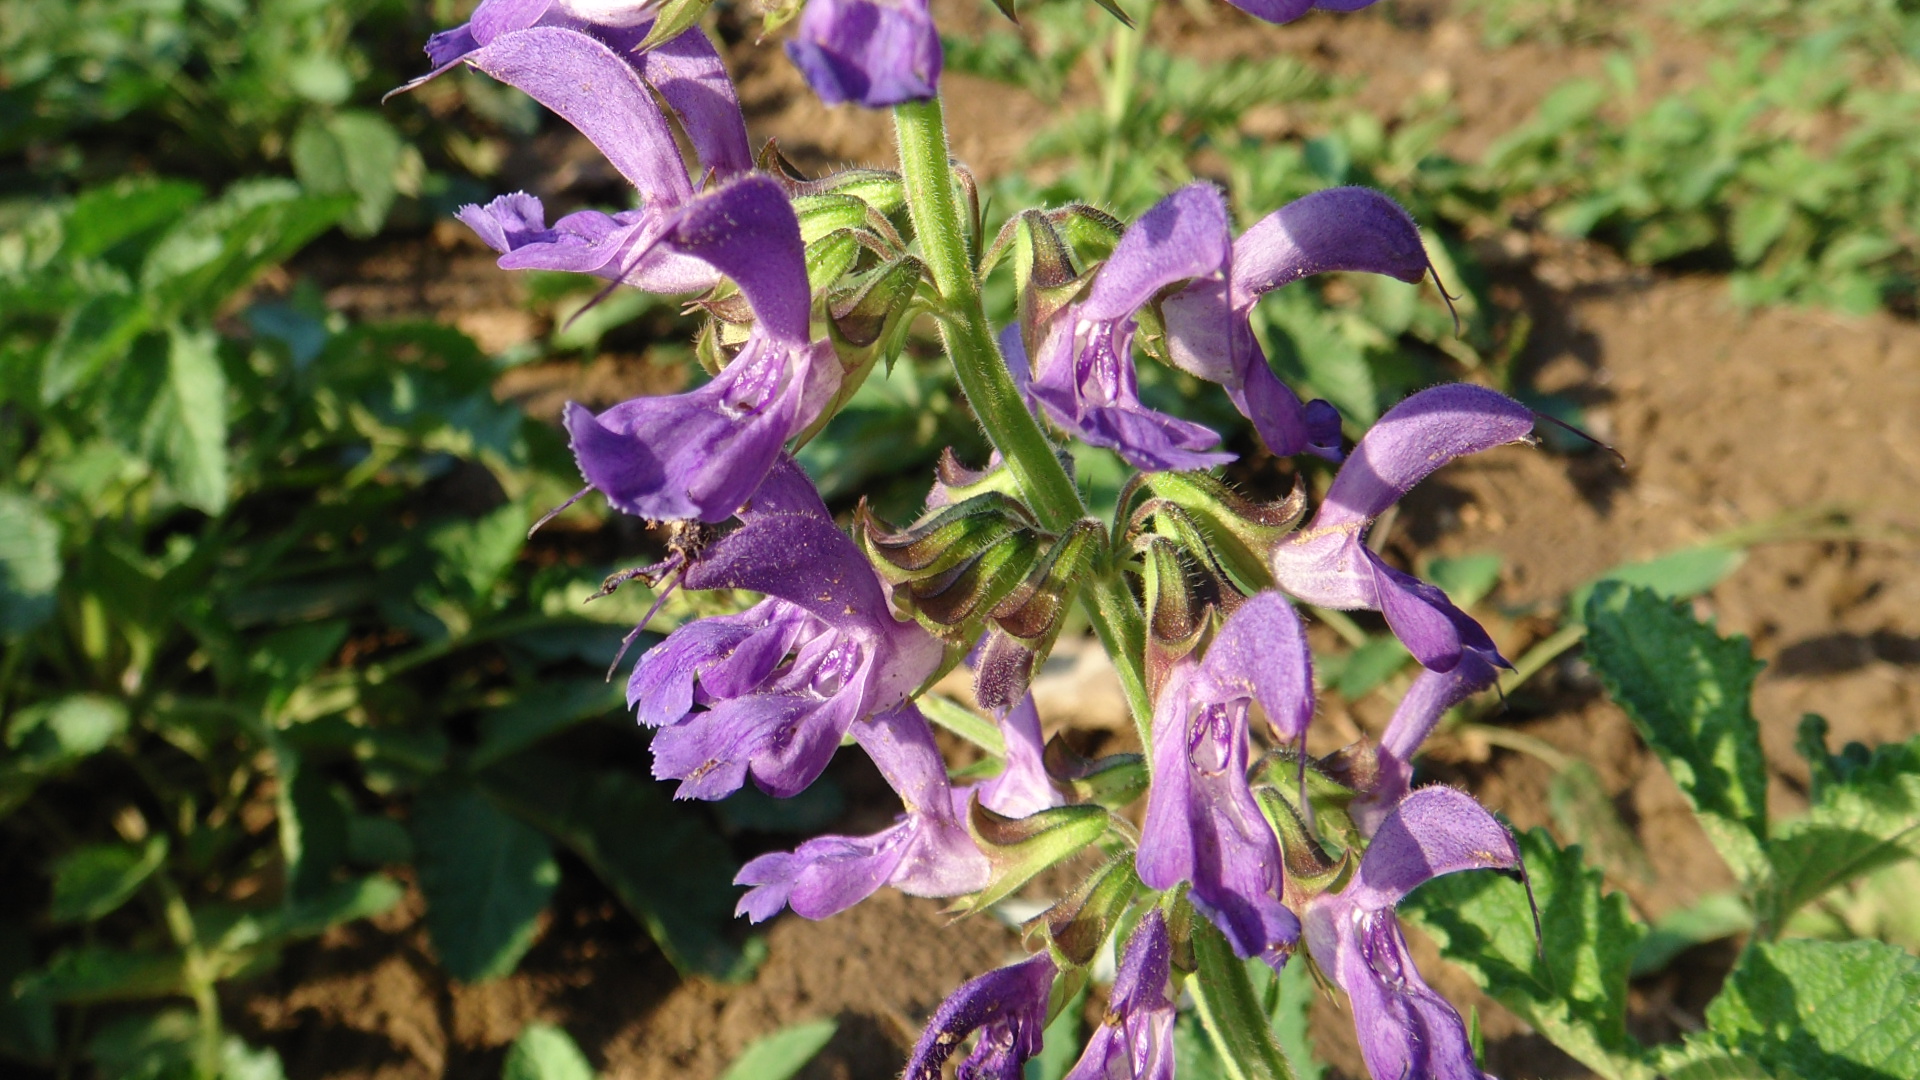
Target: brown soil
1726, 418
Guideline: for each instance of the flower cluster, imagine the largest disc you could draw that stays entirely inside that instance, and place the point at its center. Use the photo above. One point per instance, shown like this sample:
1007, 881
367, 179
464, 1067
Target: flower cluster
807, 282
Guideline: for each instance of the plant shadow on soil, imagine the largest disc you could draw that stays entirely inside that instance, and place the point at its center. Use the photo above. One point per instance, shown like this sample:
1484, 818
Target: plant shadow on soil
1725, 417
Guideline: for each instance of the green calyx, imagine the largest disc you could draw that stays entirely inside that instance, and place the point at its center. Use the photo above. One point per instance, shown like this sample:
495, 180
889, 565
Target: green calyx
1236, 531
1114, 781
1020, 848
1082, 920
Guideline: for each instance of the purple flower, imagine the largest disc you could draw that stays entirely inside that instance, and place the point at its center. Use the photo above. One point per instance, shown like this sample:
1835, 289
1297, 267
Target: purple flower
1207, 323
1280, 11
1008, 1006
1431, 695
777, 686
608, 94
1407, 1032
927, 853
1082, 371
1135, 1040
1328, 562
1202, 823
686, 70
1022, 788
701, 454
875, 53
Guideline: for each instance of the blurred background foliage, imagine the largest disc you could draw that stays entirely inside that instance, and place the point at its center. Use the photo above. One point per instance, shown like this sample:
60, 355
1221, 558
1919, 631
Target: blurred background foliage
276, 644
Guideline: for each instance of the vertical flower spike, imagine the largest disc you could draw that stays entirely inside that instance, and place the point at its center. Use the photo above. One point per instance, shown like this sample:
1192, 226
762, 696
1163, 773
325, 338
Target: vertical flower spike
777, 686
1208, 333
1135, 1040
1007, 1006
1407, 1032
1203, 824
876, 53
928, 853
1082, 355
1328, 562
1431, 695
701, 453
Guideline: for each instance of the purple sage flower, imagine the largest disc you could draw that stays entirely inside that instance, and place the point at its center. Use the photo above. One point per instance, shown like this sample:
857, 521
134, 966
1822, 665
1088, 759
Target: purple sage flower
1007, 1006
608, 94
1135, 1040
876, 53
1328, 562
1280, 11
1208, 333
1081, 369
1202, 823
1407, 1032
702, 453
1431, 695
771, 691
927, 853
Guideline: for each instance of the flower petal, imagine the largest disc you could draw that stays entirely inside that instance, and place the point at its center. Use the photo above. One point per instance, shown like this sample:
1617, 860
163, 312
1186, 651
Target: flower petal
1415, 437
689, 74
1436, 830
876, 53
1261, 654
1183, 236
1009, 1003
1345, 228
1432, 694
747, 230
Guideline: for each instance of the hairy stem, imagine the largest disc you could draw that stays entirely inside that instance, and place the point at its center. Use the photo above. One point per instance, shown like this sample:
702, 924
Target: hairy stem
935, 209
200, 978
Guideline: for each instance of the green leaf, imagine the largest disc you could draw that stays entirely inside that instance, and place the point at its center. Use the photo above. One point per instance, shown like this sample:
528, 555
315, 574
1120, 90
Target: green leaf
557, 704
475, 554
487, 877
91, 881
313, 816
100, 219
219, 248
56, 733
545, 1052
1677, 575
1710, 918
91, 973
29, 564
1687, 689
1467, 579
1584, 813
1865, 816
1370, 665
1834, 1010
628, 830
1571, 985
186, 425
781, 1054
93, 333
350, 153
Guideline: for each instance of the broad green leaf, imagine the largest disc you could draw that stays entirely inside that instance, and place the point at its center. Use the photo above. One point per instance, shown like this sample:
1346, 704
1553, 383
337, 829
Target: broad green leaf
29, 564
556, 704
1571, 985
313, 817
1833, 1010
104, 217
1687, 689
219, 248
545, 1052
628, 830
1370, 665
1677, 575
1584, 813
93, 333
350, 153
91, 881
1467, 579
92, 973
186, 425
341, 902
475, 554
1865, 816
161, 1046
65, 730
487, 877
779, 1055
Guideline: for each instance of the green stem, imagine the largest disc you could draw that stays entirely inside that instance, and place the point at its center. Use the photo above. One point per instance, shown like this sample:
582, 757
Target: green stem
200, 977
1229, 1010
935, 209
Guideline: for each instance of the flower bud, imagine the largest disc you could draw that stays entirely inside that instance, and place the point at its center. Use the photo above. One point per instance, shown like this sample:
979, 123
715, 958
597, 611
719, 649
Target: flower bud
1020, 848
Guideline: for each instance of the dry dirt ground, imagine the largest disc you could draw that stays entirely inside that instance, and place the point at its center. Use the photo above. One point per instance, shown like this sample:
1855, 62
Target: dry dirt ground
1726, 418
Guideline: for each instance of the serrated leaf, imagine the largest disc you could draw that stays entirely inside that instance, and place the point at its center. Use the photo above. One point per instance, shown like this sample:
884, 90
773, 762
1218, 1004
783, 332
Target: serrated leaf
487, 876
781, 1054
29, 564
355, 153
1834, 1010
1584, 813
1687, 691
1861, 820
1710, 918
1677, 575
545, 1052
626, 829
1572, 984
91, 881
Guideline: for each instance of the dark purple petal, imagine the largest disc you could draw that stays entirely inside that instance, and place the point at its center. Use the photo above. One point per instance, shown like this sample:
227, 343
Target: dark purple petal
1406, 1031
1203, 825
1431, 695
688, 72
619, 247
875, 53
1346, 228
1274, 11
446, 49
662, 684
1261, 654
495, 17
783, 740
1415, 437
1436, 830
1008, 1006
1183, 236
599, 93
1135, 1040
1087, 385
747, 230
508, 222
1022, 788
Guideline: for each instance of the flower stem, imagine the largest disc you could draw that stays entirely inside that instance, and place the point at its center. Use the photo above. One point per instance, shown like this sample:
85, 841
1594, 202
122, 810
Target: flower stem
1237, 1025
935, 209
